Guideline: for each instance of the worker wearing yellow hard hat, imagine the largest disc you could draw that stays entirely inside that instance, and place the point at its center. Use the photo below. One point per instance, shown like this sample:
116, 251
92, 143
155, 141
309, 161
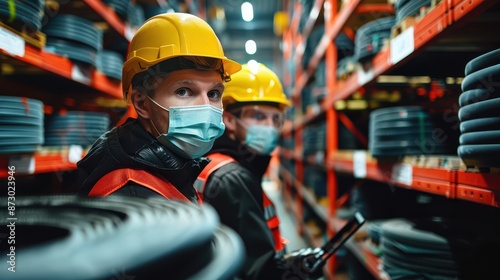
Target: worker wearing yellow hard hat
174, 76
254, 106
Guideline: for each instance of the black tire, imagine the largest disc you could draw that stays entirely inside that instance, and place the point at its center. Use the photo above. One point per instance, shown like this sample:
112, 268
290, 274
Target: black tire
483, 61
482, 109
484, 124
480, 137
486, 78
476, 95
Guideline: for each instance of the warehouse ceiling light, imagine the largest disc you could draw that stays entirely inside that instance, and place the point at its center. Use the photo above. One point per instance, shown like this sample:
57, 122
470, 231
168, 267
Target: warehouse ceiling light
250, 47
247, 11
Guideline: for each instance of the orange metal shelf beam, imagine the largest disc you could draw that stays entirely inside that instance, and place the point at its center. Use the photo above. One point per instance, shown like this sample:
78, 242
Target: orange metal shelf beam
480, 180
109, 15
374, 8
308, 27
433, 23
334, 30
44, 162
481, 188
295, 22
438, 181
64, 67
462, 8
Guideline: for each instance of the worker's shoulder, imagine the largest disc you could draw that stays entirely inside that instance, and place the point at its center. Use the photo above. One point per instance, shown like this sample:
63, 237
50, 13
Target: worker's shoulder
232, 172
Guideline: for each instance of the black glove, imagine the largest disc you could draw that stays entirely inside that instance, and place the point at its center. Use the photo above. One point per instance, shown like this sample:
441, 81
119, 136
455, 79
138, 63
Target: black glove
300, 264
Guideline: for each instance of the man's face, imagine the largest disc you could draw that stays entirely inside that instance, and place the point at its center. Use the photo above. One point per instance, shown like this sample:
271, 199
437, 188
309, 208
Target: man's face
187, 87
258, 115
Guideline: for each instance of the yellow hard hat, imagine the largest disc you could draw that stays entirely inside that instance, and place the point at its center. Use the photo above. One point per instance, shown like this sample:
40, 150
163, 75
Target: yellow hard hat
170, 35
254, 83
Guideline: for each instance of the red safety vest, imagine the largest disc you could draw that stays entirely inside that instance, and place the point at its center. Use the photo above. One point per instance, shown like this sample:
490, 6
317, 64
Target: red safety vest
117, 178
217, 161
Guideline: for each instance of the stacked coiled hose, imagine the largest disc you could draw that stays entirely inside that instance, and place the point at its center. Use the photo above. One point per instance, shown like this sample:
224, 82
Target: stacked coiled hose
71, 237
127, 11
412, 253
405, 130
75, 128
372, 37
479, 105
21, 124
406, 8
25, 15
74, 37
110, 63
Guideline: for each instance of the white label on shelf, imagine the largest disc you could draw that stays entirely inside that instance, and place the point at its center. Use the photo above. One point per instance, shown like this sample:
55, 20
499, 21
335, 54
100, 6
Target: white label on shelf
365, 77
319, 157
402, 173
402, 45
129, 32
359, 164
23, 164
80, 74
11, 42
75, 153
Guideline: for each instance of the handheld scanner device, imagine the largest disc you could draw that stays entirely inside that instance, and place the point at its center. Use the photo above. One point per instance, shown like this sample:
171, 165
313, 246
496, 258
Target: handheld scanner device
316, 261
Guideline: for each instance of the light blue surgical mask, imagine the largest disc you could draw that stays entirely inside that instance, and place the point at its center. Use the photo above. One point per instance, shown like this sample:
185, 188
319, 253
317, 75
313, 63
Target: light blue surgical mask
192, 130
261, 139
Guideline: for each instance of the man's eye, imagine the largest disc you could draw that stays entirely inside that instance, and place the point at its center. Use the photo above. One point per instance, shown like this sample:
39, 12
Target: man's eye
182, 92
259, 116
214, 94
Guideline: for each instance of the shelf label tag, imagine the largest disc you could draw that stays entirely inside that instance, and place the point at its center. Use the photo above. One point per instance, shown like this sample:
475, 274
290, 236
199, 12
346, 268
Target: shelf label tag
80, 74
365, 77
11, 42
359, 164
23, 164
75, 153
402, 173
402, 45
129, 32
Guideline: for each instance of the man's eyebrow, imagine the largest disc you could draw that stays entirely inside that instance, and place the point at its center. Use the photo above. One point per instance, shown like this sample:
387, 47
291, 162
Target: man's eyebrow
191, 82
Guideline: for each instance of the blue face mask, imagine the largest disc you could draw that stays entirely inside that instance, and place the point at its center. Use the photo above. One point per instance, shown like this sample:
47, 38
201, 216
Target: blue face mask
192, 130
262, 138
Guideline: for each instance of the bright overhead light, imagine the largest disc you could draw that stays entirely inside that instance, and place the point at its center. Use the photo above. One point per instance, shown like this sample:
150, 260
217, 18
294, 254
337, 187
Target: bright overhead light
250, 47
247, 11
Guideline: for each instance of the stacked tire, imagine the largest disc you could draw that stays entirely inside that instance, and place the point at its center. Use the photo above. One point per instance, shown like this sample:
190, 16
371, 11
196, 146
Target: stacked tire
409, 252
70, 237
21, 124
478, 114
24, 15
75, 128
74, 37
110, 63
407, 8
405, 130
371, 38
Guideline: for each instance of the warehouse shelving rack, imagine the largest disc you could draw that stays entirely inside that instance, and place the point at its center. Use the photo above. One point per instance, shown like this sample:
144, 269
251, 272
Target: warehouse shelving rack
443, 176
53, 159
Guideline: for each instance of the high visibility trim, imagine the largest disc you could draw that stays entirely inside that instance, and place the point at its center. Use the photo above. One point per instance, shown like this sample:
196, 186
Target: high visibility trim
117, 178
217, 161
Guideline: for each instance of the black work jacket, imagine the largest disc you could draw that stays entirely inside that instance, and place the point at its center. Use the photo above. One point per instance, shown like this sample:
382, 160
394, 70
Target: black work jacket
131, 146
235, 191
